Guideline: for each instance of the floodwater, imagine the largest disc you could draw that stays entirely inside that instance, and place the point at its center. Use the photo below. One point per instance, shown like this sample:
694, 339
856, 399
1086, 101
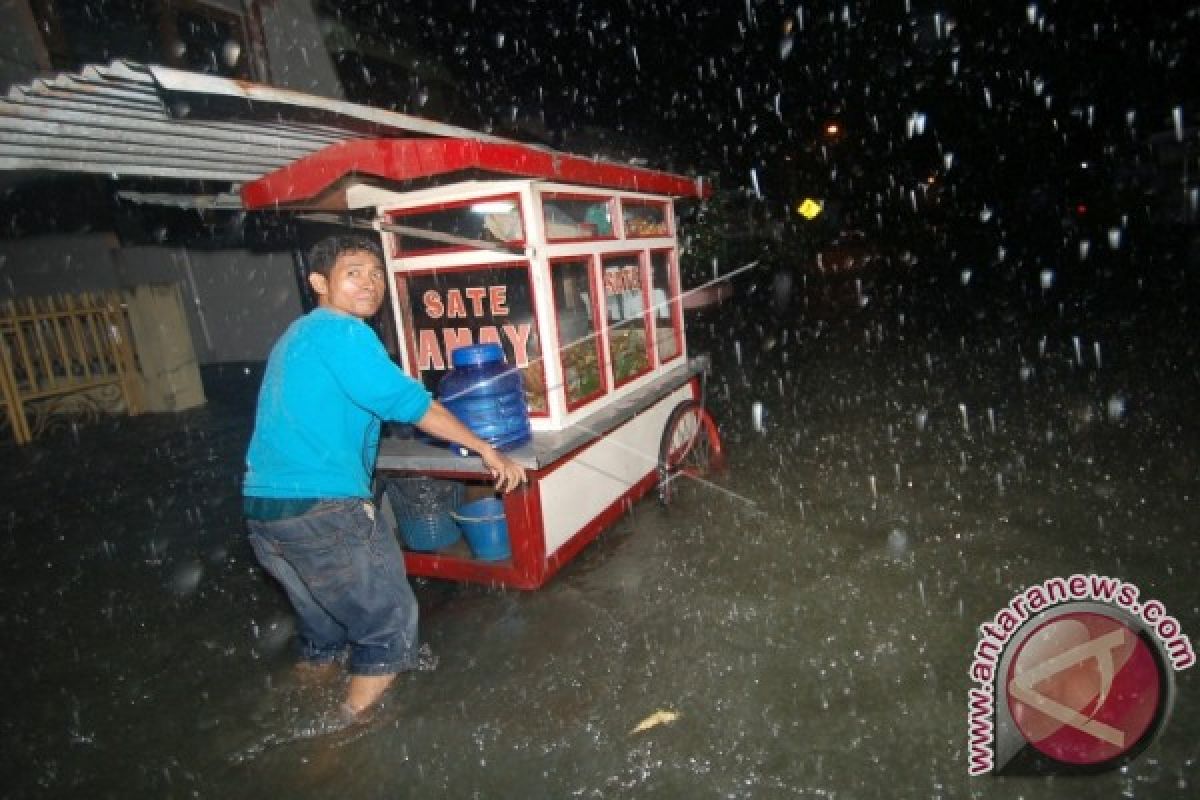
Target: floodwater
924, 446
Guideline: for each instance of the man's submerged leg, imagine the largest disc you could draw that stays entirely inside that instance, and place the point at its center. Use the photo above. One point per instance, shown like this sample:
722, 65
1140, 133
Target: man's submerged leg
383, 635
344, 572
364, 692
320, 638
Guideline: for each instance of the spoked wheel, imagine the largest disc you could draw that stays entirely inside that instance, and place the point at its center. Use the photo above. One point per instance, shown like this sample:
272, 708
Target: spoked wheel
690, 448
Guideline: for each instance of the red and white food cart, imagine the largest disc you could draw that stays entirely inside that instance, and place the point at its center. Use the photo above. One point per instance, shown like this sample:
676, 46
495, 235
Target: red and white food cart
572, 265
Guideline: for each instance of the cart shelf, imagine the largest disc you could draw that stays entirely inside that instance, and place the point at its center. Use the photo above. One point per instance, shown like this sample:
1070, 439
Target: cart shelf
581, 480
546, 447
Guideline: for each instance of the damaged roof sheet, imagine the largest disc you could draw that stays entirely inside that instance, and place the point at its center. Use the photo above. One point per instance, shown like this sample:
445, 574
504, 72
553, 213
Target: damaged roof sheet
131, 120
136, 121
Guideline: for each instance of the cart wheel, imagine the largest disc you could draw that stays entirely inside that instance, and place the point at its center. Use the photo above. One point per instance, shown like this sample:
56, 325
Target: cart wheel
690, 447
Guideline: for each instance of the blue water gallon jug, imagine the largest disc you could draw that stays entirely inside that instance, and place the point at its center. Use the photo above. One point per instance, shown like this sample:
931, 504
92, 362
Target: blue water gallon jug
487, 395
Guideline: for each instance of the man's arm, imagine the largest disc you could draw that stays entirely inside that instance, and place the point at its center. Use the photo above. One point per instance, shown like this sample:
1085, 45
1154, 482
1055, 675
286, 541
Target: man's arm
441, 423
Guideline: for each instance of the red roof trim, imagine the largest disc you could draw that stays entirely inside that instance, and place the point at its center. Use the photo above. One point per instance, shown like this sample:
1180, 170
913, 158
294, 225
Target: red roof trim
407, 159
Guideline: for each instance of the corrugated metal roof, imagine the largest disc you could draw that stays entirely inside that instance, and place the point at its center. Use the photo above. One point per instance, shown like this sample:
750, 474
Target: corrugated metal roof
129, 120
134, 120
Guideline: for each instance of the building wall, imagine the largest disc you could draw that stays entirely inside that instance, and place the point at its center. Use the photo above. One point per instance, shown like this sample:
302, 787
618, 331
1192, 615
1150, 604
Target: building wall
285, 34
43, 265
296, 52
237, 302
22, 54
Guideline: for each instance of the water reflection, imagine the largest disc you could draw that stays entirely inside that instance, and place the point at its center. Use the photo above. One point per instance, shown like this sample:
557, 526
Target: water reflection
897, 474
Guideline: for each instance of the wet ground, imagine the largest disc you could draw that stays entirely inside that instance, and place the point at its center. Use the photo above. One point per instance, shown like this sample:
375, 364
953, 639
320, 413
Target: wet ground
929, 446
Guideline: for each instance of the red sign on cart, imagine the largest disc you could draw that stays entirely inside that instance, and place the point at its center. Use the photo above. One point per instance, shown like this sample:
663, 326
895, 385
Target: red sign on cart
453, 309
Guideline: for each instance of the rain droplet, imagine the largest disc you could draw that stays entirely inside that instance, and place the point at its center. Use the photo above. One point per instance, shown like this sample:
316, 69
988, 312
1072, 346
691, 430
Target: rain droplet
916, 124
785, 48
186, 578
757, 418
1116, 406
897, 543
231, 53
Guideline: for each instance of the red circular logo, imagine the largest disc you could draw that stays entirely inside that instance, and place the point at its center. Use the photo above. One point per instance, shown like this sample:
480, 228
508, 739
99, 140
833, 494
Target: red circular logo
1084, 688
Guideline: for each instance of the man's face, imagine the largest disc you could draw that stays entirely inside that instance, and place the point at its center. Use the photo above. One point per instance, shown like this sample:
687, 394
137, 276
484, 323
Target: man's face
355, 284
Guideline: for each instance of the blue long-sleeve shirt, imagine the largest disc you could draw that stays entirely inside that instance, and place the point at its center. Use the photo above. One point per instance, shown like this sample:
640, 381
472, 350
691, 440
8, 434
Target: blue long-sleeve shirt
328, 386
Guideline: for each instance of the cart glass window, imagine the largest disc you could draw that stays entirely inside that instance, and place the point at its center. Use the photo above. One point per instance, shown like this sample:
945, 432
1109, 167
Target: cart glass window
627, 319
574, 310
664, 310
574, 217
474, 224
644, 218
454, 308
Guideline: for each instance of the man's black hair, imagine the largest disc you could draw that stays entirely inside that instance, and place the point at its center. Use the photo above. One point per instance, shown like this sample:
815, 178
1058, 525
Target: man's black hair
326, 252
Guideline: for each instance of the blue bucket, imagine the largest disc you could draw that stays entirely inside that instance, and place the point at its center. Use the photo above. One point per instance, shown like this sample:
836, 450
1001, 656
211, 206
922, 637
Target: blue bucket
422, 506
486, 528
428, 534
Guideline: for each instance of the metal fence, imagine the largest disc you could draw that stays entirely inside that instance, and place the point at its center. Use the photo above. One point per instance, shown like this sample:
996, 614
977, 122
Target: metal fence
65, 355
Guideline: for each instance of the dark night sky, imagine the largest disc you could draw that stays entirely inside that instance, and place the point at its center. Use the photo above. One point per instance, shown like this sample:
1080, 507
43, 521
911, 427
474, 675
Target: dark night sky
745, 80
993, 101
994, 107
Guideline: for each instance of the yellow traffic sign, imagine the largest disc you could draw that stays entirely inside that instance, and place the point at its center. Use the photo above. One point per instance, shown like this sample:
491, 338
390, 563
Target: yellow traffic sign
809, 209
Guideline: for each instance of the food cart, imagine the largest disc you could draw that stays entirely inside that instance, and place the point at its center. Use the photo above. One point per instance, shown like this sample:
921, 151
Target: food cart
571, 265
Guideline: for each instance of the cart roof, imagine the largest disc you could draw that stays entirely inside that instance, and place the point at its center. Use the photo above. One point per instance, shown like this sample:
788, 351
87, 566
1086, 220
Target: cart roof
405, 160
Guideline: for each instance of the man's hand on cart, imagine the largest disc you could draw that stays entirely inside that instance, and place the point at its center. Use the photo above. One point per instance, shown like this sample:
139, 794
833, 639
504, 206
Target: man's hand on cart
508, 473
439, 422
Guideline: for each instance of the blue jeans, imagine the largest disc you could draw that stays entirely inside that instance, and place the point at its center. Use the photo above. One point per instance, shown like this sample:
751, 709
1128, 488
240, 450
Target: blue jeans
343, 571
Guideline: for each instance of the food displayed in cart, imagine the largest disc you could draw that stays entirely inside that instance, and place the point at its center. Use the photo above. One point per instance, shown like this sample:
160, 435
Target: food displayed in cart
570, 217
644, 227
535, 386
503, 226
668, 345
630, 356
581, 370
645, 220
665, 320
